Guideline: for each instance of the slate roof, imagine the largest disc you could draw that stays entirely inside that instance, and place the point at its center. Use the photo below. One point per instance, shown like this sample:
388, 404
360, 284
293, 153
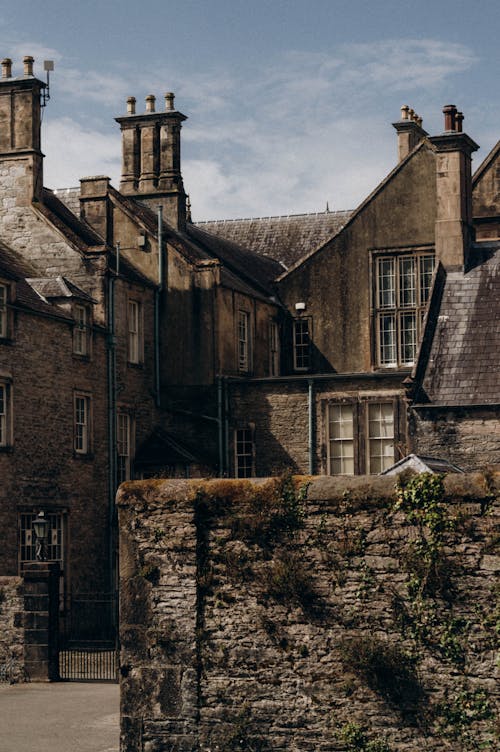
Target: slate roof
58, 287
422, 464
285, 239
75, 230
464, 360
161, 448
14, 268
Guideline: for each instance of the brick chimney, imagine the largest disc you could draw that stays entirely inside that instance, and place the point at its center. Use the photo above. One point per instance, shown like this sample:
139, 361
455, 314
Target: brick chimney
454, 232
151, 158
20, 121
409, 130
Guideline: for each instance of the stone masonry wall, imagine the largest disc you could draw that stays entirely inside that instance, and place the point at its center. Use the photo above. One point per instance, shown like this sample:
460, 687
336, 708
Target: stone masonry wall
287, 615
11, 629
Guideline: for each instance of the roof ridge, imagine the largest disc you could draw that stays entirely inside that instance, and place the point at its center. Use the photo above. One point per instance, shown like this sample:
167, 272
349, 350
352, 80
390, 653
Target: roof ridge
275, 216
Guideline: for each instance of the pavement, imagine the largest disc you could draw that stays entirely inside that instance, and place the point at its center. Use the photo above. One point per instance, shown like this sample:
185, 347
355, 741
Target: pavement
59, 717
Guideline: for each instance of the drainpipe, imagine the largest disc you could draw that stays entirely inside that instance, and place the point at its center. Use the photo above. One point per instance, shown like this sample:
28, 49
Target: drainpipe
111, 373
219, 427
311, 425
157, 302
226, 426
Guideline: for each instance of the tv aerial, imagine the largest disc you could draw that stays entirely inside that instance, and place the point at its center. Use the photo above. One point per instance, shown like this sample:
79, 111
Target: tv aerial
48, 66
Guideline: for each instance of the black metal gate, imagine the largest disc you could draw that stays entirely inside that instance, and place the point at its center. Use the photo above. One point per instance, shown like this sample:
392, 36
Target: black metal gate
88, 639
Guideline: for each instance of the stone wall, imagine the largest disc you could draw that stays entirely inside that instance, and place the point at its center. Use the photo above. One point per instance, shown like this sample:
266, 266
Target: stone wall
255, 618
11, 629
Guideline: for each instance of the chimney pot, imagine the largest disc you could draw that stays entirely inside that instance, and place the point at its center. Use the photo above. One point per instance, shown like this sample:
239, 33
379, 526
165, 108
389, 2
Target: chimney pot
450, 112
131, 105
28, 65
150, 103
169, 101
404, 112
6, 67
419, 121
411, 113
459, 119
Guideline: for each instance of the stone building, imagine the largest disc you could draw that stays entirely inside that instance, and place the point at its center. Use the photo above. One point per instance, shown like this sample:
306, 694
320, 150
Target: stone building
230, 348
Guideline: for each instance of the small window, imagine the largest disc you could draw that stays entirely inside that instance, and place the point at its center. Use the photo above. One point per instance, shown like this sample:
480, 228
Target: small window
243, 341
5, 415
274, 345
82, 424
301, 344
135, 348
244, 452
4, 329
123, 447
81, 332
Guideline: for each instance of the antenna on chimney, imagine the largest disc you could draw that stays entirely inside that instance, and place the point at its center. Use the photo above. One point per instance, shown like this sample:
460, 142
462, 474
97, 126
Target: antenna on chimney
48, 65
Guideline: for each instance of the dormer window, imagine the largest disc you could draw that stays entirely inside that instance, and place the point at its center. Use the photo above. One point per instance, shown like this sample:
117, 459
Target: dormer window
81, 332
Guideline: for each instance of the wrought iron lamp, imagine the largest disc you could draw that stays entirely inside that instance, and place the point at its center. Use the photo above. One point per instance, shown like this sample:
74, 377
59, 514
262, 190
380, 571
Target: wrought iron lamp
41, 528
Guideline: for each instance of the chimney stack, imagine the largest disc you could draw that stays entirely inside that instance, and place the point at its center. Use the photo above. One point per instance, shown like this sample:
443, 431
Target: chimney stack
454, 232
151, 153
20, 115
409, 130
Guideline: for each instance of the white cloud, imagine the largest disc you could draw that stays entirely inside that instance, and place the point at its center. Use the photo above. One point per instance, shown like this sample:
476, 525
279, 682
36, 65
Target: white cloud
292, 134
73, 152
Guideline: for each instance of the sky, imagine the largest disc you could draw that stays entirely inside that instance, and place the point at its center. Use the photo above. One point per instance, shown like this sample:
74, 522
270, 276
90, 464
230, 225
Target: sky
289, 103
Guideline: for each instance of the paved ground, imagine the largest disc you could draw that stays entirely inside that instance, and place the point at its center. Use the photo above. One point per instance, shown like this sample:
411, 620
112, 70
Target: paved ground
59, 717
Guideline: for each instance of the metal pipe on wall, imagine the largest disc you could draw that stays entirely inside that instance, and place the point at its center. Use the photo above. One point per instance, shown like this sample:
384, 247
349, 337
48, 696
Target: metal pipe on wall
310, 401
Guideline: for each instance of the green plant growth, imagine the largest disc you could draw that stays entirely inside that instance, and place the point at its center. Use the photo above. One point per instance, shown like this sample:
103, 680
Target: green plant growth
288, 581
356, 740
457, 716
386, 668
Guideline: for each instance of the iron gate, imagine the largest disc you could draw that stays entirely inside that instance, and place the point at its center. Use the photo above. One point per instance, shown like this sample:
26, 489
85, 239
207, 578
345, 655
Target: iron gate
88, 639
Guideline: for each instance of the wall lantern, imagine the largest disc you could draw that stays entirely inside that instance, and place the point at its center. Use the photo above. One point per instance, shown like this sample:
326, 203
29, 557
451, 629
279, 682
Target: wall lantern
41, 528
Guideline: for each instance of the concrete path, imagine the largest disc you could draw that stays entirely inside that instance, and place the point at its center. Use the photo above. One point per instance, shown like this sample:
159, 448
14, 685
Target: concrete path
59, 717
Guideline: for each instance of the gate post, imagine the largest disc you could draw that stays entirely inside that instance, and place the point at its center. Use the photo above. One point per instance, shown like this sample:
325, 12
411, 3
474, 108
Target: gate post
41, 620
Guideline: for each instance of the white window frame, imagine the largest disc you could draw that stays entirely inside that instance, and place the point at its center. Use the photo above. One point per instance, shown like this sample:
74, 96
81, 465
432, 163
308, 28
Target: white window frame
135, 331
81, 331
244, 452
379, 461
341, 422
373, 440
274, 348
5, 414
82, 441
302, 343
124, 436
243, 341
402, 284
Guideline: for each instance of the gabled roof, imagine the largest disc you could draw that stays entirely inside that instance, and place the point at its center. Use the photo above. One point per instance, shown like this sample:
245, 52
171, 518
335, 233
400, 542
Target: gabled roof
283, 238
75, 230
425, 143
162, 448
463, 360
486, 163
58, 287
13, 267
422, 464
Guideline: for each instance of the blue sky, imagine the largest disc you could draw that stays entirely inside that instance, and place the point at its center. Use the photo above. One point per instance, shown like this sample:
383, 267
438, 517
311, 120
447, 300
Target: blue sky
290, 104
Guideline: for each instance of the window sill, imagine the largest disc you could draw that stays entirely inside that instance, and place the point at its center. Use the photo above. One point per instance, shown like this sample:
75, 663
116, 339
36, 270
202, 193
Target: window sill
136, 366
6, 449
83, 457
81, 358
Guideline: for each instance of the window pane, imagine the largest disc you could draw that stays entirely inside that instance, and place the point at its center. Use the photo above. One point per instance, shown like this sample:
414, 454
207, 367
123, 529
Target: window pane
134, 348
426, 272
341, 443
386, 283
3, 416
407, 282
408, 337
244, 453
387, 339
243, 341
380, 436
81, 424
301, 340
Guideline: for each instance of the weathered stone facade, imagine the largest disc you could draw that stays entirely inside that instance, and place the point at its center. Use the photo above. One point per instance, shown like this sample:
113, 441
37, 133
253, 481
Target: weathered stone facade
258, 617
